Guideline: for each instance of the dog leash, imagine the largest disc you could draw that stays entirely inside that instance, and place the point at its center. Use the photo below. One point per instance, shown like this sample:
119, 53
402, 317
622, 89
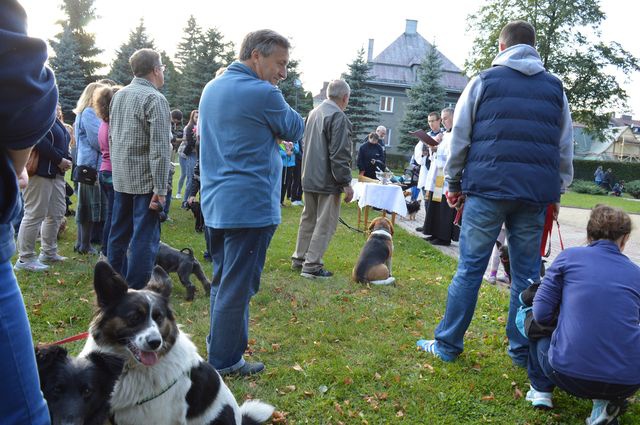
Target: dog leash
82, 335
546, 233
349, 227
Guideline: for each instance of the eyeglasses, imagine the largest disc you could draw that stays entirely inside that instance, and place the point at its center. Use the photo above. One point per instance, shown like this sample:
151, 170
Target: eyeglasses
162, 67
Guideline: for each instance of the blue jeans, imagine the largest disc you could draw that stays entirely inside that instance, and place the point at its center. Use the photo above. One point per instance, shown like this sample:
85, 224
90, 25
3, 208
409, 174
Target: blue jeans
481, 223
134, 238
544, 378
186, 172
21, 399
106, 183
238, 258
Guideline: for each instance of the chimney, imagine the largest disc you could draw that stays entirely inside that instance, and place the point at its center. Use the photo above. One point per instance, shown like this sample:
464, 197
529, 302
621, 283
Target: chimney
370, 51
411, 27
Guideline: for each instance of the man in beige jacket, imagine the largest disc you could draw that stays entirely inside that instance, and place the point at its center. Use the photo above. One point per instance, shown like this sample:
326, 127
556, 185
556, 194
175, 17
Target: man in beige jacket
326, 173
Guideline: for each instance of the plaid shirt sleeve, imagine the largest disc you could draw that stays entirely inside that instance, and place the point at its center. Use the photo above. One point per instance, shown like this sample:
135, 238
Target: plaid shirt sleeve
158, 114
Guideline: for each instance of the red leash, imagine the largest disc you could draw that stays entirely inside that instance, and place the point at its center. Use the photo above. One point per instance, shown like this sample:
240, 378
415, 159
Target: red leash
546, 233
82, 335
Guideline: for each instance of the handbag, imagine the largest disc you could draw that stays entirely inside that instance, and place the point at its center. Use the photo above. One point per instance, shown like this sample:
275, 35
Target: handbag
32, 162
85, 174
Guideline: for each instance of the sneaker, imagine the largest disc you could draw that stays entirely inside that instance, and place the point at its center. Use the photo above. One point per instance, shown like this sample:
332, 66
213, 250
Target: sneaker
429, 346
249, 368
178, 196
31, 266
298, 203
318, 274
419, 229
539, 399
55, 258
604, 412
491, 278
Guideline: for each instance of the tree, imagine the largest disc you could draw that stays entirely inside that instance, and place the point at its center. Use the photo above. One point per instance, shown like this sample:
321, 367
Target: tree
570, 45
138, 39
426, 96
79, 14
171, 86
294, 92
69, 76
361, 109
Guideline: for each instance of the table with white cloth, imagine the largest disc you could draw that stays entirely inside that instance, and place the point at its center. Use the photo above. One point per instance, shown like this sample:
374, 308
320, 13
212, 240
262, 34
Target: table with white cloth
387, 197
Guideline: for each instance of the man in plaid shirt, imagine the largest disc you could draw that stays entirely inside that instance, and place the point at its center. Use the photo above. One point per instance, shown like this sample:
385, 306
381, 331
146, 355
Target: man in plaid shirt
140, 149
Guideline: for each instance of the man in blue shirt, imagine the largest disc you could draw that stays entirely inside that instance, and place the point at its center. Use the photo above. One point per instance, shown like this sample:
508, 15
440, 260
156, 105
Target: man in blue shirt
242, 116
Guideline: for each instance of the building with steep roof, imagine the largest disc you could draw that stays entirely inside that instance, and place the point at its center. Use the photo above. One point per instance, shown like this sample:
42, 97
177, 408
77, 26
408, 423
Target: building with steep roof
395, 70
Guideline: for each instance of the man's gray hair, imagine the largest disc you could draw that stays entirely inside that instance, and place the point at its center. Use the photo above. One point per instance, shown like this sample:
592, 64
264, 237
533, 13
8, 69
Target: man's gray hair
337, 89
448, 111
264, 41
381, 127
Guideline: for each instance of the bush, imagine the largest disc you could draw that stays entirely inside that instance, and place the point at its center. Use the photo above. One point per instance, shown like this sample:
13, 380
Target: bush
633, 188
583, 169
583, 186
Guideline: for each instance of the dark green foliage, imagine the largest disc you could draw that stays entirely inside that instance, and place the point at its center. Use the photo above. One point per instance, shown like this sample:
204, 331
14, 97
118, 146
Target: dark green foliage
293, 92
171, 80
200, 54
69, 76
138, 39
583, 169
79, 14
426, 96
633, 188
583, 186
362, 115
568, 42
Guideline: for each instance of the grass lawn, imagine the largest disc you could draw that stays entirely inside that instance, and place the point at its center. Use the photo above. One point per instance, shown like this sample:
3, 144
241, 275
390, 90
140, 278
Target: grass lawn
583, 200
337, 352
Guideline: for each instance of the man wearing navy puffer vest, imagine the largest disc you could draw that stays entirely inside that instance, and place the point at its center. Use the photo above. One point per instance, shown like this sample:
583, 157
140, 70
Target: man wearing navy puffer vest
511, 156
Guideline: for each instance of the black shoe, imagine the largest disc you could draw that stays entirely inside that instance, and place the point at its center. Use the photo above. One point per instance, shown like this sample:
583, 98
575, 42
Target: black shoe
318, 274
439, 242
429, 238
419, 229
249, 368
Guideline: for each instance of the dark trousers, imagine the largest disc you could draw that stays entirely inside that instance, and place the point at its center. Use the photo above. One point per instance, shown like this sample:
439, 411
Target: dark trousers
296, 187
134, 238
106, 184
287, 183
544, 378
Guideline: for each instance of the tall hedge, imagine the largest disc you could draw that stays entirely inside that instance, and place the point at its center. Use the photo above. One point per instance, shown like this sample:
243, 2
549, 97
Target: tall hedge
583, 169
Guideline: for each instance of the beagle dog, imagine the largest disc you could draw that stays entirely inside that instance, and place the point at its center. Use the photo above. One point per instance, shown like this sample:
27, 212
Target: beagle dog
374, 263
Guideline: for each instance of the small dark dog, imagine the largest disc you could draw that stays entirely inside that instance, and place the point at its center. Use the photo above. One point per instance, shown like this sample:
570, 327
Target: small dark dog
197, 215
412, 208
184, 263
77, 390
504, 260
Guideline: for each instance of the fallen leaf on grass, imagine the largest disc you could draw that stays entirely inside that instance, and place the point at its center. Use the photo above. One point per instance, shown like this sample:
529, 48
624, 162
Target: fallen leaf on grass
279, 417
297, 367
517, 393
399, 413
429, 367
377, 376
348, 380
489, 397
275, 347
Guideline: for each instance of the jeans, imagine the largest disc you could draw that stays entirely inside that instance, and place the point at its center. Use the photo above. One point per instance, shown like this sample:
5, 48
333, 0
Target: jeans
544, 378
106, 184
481, 223
186, 172
238, 259
22, 401
134, 238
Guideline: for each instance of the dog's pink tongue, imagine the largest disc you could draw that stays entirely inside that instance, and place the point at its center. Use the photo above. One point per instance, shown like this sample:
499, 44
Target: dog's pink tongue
148, 358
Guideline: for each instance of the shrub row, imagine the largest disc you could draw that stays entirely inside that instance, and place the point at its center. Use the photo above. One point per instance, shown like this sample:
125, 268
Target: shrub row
583, 186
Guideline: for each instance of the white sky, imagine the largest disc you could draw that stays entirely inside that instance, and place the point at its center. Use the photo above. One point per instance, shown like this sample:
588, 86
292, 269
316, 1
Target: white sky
326, 35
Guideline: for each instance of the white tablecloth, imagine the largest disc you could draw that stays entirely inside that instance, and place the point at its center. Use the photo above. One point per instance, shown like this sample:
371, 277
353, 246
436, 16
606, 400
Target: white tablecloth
384, 196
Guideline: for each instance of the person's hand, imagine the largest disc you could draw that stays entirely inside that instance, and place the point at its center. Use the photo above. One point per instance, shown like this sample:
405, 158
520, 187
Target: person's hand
191, 200
455, 199
438, 137
556, 210
157, 202
23, 179
64, 165
348, 193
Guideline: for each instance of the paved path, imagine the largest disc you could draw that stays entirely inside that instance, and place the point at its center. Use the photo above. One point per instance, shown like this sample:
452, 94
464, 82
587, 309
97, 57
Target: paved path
573, 226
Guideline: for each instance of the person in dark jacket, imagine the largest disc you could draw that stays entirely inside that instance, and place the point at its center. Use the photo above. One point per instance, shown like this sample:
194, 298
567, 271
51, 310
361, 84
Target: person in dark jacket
371, 157
44, 202
512, 137
28, 98
593, 294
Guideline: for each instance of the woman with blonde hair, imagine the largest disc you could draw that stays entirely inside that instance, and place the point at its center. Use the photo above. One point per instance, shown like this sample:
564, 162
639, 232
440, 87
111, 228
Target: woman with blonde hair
91, 209
591, 294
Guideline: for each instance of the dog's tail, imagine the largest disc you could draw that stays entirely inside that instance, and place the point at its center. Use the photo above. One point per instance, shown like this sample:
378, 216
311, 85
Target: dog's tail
255, 412
187, 251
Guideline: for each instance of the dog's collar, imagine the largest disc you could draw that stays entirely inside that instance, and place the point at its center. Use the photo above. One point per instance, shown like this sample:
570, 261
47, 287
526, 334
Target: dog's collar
381, 232
154, 396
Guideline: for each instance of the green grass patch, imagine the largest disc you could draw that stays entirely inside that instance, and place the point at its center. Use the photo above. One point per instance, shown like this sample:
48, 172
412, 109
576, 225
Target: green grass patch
586, 201
337, 352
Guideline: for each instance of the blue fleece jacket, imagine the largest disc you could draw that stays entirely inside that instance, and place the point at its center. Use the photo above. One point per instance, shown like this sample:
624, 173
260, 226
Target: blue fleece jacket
28, 98
289, 160
52, 148
596, 289
241, 118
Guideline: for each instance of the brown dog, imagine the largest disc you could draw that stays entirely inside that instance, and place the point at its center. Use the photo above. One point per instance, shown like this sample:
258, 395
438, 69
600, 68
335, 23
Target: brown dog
374, 263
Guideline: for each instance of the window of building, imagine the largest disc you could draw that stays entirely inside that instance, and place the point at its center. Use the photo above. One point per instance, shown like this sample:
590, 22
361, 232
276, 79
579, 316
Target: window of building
386, 104
387, 139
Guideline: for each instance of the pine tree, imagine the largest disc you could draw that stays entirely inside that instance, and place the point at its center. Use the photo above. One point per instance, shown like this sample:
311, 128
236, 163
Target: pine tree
79, 14
138, 39
69, 76
294, 92
171, 86
360, 110
426, 96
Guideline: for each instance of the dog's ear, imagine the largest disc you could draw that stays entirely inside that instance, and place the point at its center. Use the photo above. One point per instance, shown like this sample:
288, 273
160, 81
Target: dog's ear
160, 282
48, 355
108, 363
390, 227
110, 287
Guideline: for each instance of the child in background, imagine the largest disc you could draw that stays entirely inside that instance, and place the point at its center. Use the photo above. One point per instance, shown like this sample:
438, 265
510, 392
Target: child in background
494, 262
288, 151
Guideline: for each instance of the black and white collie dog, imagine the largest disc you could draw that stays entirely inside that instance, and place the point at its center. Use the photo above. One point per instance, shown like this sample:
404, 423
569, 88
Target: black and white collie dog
77, 390
164, 380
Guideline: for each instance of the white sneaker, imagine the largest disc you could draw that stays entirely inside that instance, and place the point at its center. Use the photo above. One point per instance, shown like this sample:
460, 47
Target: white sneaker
539, 399
178, 196
297, 203
602, 413
56, 258
31, 266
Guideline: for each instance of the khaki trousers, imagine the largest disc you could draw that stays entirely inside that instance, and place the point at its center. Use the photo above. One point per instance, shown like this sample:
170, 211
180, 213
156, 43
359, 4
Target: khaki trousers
317, 226
44, 207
